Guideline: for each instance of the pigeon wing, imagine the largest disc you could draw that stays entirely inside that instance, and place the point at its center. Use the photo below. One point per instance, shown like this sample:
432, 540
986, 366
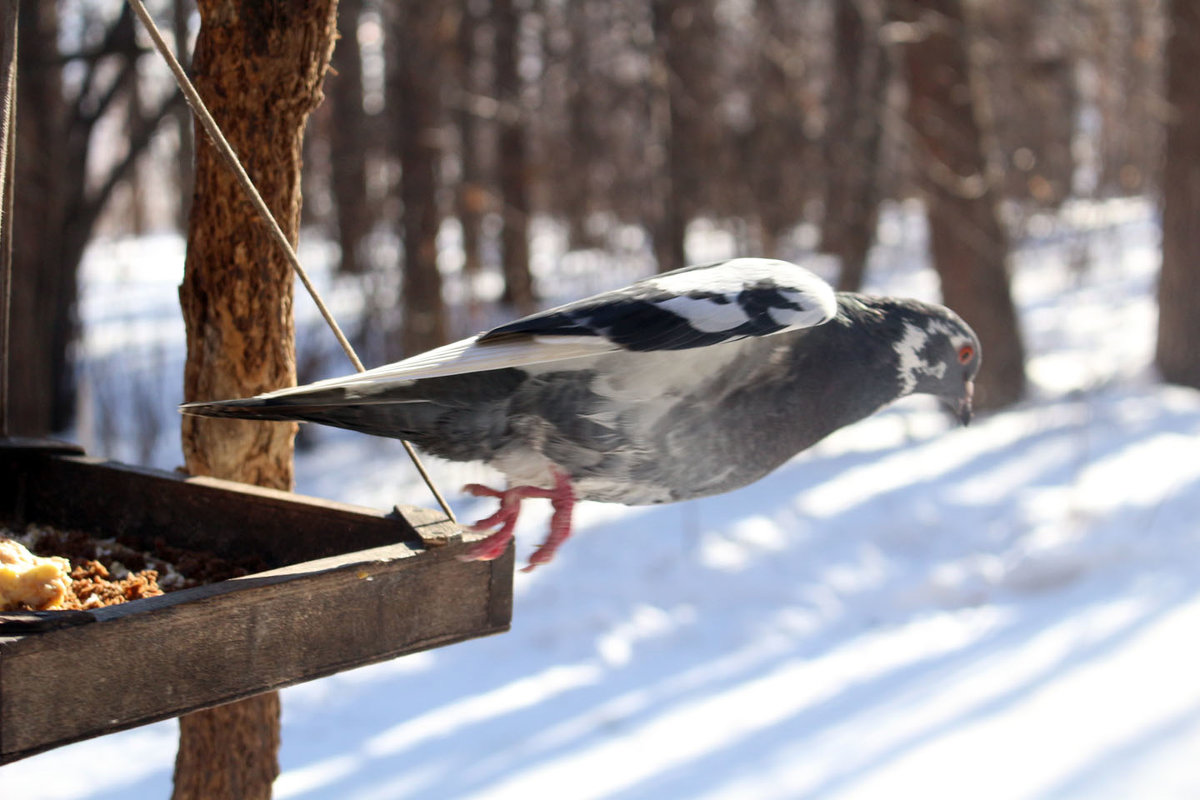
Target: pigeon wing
690, 307
687, 308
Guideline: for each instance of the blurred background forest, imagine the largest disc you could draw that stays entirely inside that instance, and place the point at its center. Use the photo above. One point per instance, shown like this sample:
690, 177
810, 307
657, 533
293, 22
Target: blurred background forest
622, 127
897, 602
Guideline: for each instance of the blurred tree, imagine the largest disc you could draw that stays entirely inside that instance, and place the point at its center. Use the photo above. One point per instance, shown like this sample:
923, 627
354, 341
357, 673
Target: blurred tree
1177, 356
1028, 69
42, 287
593, 119
471, 194
967, 240
259, 68
854, 138
512, 158
181, 12
775, 151
625, 91
135, 199
584, 131
56, 209
348, 141
1129, 47
685, 36
416, 36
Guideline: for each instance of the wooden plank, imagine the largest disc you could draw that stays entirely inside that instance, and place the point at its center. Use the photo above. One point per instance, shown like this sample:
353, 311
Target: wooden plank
161, 657
201, 647
233, 519
19, 445
13, 623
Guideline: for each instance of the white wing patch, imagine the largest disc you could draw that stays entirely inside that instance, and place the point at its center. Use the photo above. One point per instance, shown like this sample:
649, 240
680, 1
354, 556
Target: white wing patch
814, 314
730, 278
727, 279
705, 314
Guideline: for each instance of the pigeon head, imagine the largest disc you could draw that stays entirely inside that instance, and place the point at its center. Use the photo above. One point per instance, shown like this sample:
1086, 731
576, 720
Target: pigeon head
938, 354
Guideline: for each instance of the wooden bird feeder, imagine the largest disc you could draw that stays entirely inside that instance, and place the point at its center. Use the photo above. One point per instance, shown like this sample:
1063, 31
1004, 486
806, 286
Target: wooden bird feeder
346, 586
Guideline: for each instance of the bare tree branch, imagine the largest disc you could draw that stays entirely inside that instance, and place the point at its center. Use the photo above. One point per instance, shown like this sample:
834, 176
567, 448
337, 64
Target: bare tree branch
139, 138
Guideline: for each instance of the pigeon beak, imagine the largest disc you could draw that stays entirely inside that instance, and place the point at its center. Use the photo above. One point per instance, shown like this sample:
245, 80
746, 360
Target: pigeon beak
963, 409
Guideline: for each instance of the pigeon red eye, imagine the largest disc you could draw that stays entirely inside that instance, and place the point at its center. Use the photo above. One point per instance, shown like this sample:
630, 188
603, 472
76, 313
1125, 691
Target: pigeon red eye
965, 353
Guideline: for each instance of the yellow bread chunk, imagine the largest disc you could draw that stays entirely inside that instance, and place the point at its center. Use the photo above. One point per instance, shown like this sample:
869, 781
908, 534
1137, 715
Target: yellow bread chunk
29, 581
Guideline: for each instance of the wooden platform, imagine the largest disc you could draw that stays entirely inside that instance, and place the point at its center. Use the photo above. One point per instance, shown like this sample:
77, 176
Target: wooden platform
348, 586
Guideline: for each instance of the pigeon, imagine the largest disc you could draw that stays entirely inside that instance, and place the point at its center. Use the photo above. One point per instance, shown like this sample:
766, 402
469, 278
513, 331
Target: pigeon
685, 384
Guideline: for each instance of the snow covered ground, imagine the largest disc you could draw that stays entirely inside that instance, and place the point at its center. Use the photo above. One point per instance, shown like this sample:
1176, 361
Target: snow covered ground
1004, 611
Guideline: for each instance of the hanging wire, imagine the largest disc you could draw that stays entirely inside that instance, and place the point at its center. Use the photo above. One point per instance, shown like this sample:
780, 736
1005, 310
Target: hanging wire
230, 157
8, 141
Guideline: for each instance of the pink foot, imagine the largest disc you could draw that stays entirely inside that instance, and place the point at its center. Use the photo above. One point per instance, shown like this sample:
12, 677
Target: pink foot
561, 497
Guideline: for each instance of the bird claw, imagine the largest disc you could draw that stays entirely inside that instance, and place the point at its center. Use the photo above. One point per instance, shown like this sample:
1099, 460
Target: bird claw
560, 530
506, 516
562, 497
488, 549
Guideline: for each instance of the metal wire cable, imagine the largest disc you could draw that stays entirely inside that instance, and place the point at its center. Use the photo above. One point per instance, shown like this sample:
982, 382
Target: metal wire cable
8, 130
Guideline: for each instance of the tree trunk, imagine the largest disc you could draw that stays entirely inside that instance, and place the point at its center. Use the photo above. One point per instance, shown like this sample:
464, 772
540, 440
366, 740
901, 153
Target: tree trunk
56, 212
137, 223
967, 239
513, 160
670, 23
184, 162
854, 138
1130, 60
1029, 76
348, 141
415, 96
43, 288
1177, 356
229, 752
774, 149
259, 67
471, 197
583, 138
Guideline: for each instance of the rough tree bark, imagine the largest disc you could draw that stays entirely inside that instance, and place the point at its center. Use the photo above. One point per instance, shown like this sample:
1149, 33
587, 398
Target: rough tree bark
1177, 356
967, 239
513, 160
854, 139
259, 66
414, 89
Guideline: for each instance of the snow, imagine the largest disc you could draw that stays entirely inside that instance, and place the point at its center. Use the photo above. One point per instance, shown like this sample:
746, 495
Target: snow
908, 609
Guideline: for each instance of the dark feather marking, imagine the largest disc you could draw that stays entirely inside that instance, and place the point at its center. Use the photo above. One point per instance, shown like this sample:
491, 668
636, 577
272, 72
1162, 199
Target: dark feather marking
634, 318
